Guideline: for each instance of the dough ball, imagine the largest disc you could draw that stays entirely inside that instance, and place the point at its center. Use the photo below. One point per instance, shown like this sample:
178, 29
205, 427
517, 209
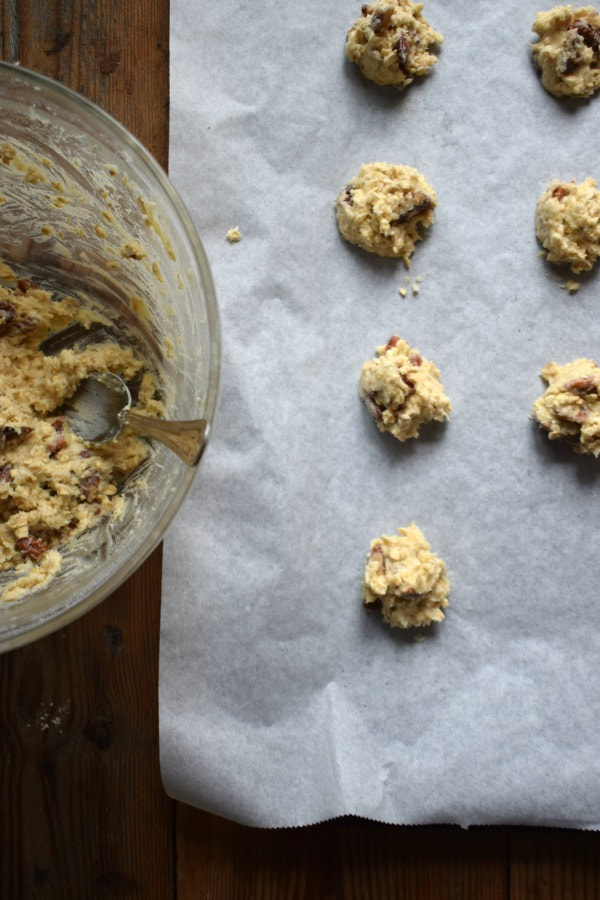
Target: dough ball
567, 223
384, 209
391, 42
570, 408
402, 391
406, 579
567, 53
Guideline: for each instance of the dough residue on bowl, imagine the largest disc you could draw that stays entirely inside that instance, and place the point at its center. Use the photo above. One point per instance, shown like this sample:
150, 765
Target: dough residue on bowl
53, 486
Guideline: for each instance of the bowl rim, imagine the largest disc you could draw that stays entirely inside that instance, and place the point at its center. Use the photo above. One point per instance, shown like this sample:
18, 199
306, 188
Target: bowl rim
46, 625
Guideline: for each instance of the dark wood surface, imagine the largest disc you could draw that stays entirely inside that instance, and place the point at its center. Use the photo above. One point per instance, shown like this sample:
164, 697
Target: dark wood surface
82, 810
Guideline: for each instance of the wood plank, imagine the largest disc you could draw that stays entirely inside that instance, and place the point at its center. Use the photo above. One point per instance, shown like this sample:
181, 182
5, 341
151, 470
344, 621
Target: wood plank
82, 809
345, 859
554, 864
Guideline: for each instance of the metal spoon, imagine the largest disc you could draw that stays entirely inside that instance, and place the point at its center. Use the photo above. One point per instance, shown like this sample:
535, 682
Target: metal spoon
101, 406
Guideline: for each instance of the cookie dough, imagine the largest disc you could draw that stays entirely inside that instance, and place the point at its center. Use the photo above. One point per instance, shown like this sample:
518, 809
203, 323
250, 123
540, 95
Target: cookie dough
567, 223
402, 391
567, 53
391, 42
234, 235
53, 486
570, 408
406, 579
384, 209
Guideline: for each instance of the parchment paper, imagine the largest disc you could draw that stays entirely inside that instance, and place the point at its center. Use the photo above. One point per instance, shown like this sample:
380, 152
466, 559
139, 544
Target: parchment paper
282, 702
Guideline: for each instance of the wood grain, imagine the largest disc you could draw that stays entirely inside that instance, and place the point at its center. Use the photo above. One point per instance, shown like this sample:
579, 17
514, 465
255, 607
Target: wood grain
82, 810
554, 864
345, 859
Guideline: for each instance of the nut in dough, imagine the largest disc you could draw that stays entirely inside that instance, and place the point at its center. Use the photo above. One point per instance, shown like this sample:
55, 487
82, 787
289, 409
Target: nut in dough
402, 391
567, 223
567, 53
570, 408
406, 579
391, 42
385, 208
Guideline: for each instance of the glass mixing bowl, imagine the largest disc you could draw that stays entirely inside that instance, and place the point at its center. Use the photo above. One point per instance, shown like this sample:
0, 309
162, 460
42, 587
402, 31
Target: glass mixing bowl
85, 211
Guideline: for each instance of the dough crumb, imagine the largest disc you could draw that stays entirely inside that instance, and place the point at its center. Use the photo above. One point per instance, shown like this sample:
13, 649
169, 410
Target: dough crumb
385, 209
403, 292
567, 223
570, 408
402, 390
234, 235
133, 250
406, 579
567, 54
392, 42
571, 287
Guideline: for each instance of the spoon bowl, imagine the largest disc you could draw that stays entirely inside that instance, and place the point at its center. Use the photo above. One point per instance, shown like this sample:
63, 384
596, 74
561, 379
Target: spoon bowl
101, 407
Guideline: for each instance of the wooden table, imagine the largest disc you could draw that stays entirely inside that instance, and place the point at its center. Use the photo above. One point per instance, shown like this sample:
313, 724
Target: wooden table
82, 810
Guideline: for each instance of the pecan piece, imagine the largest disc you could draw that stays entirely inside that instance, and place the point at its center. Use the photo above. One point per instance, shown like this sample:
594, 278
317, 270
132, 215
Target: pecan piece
415, 358
58, 442
572, 413
85, 454
378, 550
5, 474
382, 19
421, 203
8, 433
7, 313
31, 547
366, 10
22, 325
348, 195
89, 486
402, 48
588, 32
585, 385
393, 342
559, 192
373, 407
24, 285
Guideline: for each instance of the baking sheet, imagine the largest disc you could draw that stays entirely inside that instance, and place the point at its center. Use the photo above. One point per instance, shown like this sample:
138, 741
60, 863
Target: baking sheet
282, 702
